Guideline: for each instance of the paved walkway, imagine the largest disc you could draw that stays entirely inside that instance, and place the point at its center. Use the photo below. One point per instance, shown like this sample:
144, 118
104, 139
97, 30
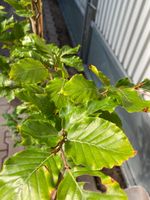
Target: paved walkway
6, 144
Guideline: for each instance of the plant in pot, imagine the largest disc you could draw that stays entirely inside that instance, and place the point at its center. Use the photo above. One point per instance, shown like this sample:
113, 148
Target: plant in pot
67, 125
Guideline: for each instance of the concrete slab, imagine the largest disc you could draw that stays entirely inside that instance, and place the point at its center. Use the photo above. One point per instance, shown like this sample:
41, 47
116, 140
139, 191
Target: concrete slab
137, 193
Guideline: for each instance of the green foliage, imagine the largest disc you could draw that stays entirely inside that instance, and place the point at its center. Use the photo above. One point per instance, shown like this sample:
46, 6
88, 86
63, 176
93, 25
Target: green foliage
80, 90
68, 126
55, 92
22, 7
104, 79
41, 131
100, 143
27, 71
30, 174
75, 190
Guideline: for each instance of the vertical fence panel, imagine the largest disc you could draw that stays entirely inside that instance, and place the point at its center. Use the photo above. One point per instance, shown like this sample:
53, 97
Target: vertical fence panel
82, 4
125, 26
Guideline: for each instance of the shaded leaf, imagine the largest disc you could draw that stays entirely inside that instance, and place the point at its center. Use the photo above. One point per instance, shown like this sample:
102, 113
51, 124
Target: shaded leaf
112, 117
4, 66
41, 130
36, 96
21, 7
73, 61
67, 50
125, 82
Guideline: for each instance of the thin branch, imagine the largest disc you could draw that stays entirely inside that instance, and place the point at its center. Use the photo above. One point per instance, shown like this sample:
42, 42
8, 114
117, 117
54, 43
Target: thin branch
37, 19
64, 159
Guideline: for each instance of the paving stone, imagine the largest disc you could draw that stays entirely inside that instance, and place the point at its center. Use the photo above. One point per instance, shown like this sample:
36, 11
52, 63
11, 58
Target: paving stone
137, 193
11, 148
3, 101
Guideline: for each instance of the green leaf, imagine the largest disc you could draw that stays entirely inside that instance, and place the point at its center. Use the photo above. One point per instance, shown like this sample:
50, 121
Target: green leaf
80, 90
55, 91
73, 61
74, 190
125, 82
21, 7
112, 117
145, 85
103, 78
132, 101
28, 71
4, 66
33, 40
97, 143
6, 87
107, 104
40, 130
7, 24
67, 50
30, 174
70, 114
36, 96
20, 29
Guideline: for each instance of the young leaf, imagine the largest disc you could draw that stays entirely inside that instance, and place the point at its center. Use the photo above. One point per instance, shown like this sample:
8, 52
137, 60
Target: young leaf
67, 50
73, 61
6, 87
55, 91
145, 85
30, 174
107, 104
97, 143
74, 190
28, 71
71, 114
40, 130
103, 78
21, 8
125, 82
80, 90
132, 101
36, 96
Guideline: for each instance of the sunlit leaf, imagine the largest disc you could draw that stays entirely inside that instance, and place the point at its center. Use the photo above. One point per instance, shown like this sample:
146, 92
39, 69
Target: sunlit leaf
30, 174
80, 90
97, 143
74, 190
27, 71
55, 91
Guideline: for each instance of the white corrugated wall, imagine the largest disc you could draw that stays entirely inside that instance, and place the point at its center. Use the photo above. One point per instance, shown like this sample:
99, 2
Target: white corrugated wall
125, 26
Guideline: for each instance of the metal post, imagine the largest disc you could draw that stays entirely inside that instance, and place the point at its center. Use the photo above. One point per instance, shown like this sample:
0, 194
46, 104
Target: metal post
86, 35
